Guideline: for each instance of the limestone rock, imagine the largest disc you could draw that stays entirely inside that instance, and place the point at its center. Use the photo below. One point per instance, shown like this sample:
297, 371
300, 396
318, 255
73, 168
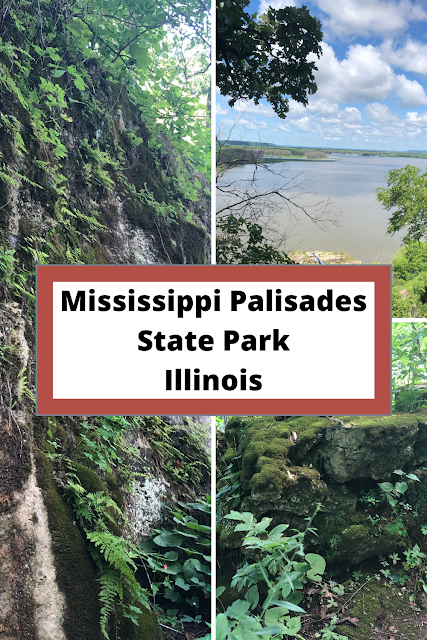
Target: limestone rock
373, 451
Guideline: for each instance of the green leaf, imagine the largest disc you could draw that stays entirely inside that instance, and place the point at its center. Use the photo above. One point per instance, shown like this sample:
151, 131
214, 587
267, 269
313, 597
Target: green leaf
270, 631
242, 526
174, 568
238, 609
58, 73
288, 605
252, 596
246, 516
79, 83
262, 526
166, 539
219, 591
273, 615
191, 568
222, 626
412, 476
280, 528
318, 566
401, 487
386, 486
293, 626
182, 584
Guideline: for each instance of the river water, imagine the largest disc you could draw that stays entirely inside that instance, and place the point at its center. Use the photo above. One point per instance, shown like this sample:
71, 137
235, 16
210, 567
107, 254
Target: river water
350, 182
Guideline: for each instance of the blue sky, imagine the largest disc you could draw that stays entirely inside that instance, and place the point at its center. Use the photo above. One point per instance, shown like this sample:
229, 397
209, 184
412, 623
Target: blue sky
371, 78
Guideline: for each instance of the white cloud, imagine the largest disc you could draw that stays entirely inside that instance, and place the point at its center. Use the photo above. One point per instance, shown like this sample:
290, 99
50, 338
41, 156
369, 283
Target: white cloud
412, 56
306, 124
248, 106
361, 77
367, 17
380, 113
415, 133
248, 125
364, 76
410, 92
327, 111
220, 111
414, 118
276, 4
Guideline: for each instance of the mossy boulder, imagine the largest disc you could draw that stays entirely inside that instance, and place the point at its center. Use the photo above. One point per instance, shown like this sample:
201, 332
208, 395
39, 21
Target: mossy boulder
290, 466
301, 489
355, 538
343, 449
267, 445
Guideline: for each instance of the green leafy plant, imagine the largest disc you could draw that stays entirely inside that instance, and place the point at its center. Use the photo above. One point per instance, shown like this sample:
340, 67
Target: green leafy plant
409, 342
105, 445
282, 567
177, 561
241, 241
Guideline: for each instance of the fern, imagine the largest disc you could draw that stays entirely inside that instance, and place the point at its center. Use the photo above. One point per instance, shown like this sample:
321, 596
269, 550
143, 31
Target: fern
90, 508
113, 555
23, 389
111, 590
117, 552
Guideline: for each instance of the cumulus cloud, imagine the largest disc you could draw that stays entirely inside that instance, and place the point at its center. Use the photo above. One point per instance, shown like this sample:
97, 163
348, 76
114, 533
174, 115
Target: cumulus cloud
368, 17
329, 120
364, 76
305, 124
380, 113
410, 92
417, 119
361, 77
248, 106
249, 125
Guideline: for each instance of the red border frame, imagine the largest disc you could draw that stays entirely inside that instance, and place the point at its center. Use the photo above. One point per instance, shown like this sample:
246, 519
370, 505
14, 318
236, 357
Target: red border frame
380, 274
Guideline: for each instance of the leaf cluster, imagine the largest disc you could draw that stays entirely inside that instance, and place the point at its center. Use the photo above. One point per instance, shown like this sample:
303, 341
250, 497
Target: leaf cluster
282, 567
268, 57
409, 344
242, 241
406, 191
178, 562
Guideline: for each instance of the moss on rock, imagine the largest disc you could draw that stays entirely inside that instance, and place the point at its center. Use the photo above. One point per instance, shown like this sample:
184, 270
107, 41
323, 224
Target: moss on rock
89, 479
292, 465
75, 571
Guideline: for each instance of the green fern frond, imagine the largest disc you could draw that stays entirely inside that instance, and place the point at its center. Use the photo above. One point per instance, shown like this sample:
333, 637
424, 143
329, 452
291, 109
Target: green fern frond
117, 552
111, 589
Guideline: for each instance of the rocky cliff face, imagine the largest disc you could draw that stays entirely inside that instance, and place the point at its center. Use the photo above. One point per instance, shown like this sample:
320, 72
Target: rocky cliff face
112, 199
